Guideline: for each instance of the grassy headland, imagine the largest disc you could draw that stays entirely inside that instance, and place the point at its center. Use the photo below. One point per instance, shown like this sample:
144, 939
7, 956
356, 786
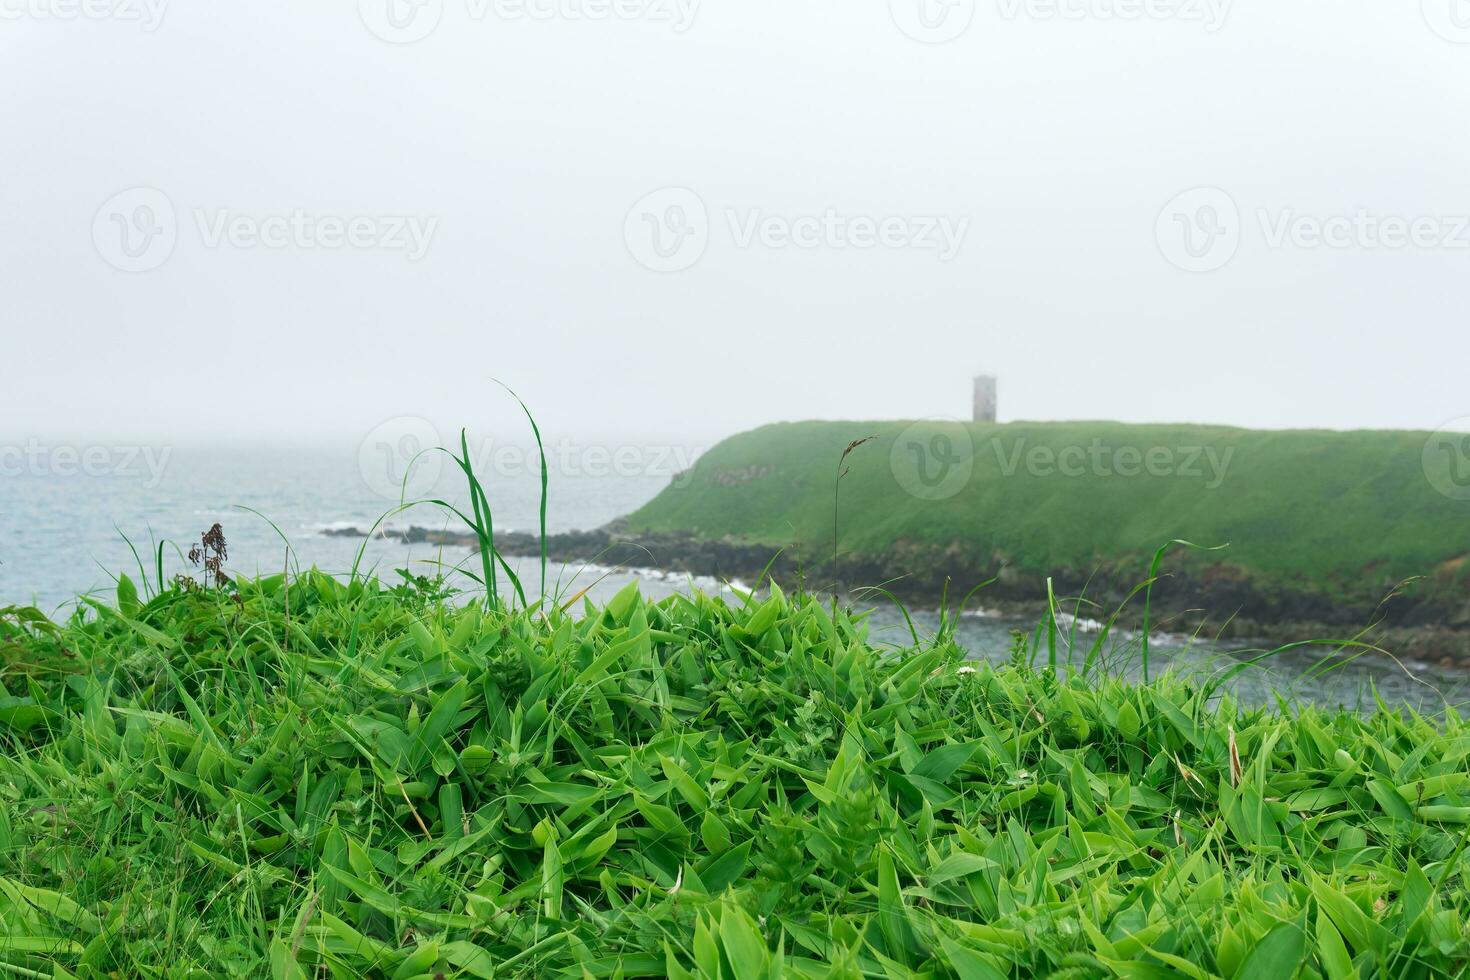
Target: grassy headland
1320, 525
305, 777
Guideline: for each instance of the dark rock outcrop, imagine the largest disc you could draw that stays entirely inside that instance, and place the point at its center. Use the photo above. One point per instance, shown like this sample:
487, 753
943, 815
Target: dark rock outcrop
1213, 598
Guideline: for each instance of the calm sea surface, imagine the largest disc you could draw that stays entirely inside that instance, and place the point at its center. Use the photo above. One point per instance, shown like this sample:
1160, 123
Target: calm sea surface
62, 534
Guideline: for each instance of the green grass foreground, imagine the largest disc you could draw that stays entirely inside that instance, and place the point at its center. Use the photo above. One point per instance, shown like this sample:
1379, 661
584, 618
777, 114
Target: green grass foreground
320, 779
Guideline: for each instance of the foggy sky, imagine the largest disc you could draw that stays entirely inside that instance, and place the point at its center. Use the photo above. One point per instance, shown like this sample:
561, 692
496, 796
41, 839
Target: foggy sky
523, 145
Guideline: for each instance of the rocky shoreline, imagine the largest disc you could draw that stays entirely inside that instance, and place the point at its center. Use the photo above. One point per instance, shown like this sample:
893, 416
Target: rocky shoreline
1211, 599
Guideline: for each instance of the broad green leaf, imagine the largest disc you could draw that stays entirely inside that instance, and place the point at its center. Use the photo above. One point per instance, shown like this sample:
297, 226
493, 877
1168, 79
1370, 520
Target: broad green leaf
941, 763
1277, 956
745, 949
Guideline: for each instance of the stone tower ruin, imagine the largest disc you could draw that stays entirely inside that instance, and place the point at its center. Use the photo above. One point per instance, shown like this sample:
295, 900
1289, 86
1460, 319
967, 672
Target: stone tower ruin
985, 398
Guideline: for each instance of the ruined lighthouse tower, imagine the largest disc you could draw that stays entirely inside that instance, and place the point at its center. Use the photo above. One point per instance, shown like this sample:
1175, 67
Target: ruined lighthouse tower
985, 398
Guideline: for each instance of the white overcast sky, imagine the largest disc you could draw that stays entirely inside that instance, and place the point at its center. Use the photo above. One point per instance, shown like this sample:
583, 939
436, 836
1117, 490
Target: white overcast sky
1057, 143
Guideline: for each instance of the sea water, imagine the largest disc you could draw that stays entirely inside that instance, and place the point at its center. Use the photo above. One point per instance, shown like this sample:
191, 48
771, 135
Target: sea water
66, 531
